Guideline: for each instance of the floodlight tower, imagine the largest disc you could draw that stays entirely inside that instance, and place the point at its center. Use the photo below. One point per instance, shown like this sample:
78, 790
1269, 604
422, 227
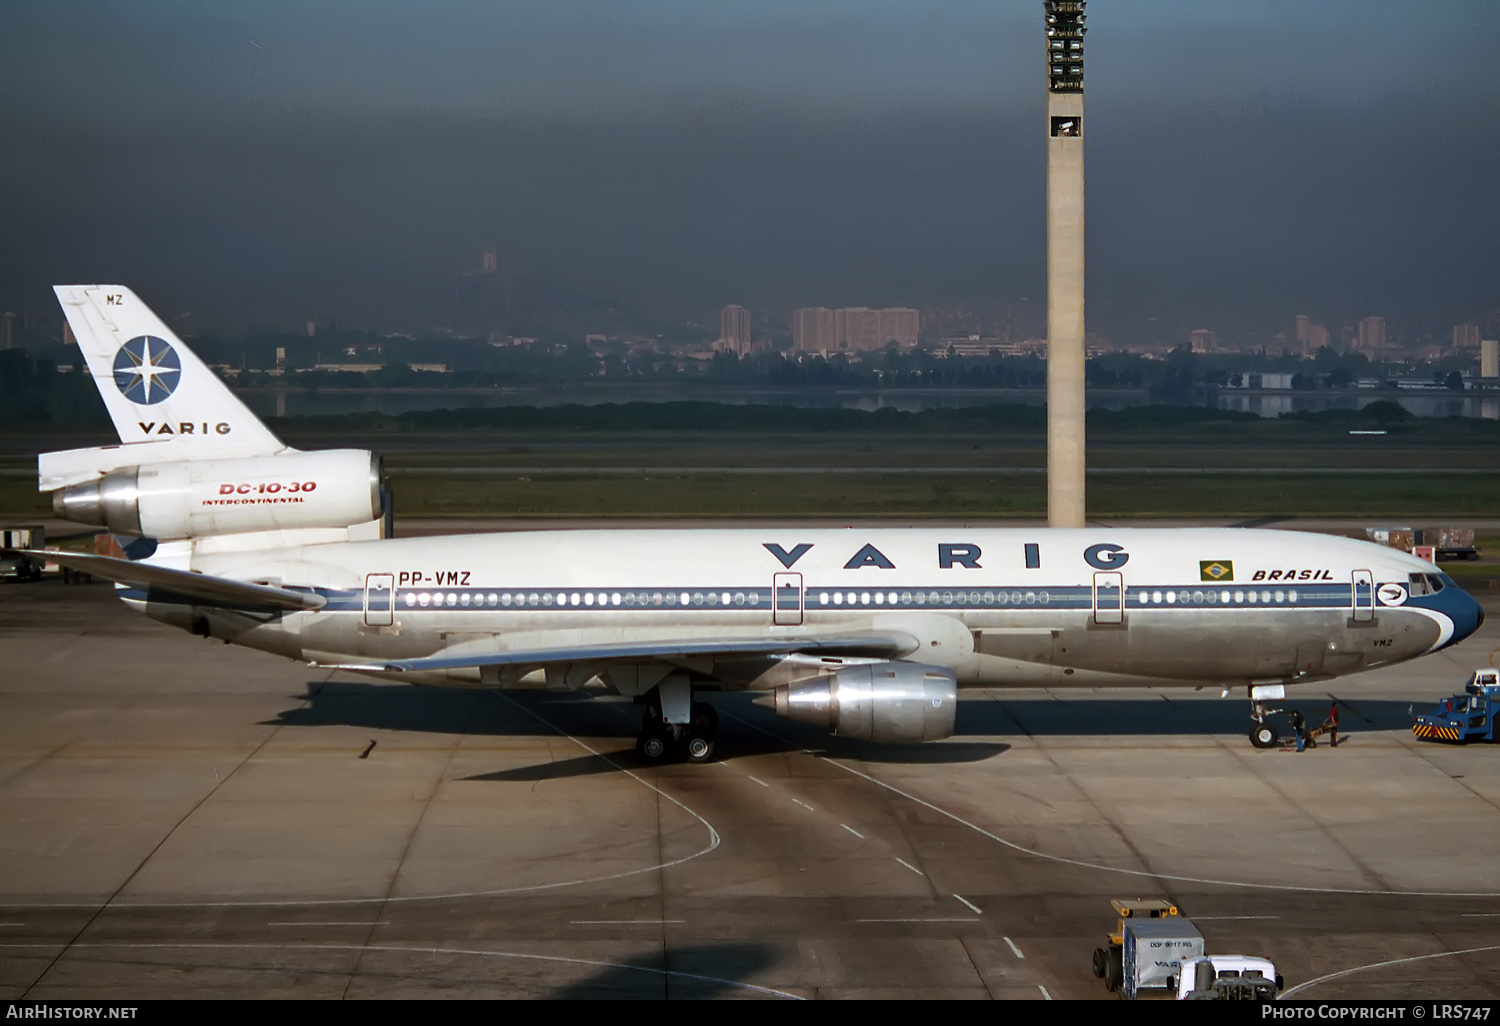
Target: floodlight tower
1065, 350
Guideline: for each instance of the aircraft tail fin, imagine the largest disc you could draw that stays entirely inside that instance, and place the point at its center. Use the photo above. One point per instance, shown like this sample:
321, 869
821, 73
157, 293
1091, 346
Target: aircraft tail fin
154, 387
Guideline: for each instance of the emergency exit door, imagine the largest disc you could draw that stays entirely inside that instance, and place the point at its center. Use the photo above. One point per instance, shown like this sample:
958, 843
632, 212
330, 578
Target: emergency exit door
380, 600
1109, 597
786, 600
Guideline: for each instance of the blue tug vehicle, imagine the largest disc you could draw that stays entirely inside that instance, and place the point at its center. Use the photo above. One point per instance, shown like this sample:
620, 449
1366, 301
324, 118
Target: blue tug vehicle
1469, 716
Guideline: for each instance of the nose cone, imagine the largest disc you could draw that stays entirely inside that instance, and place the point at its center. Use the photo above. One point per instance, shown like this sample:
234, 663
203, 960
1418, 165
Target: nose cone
1462, 608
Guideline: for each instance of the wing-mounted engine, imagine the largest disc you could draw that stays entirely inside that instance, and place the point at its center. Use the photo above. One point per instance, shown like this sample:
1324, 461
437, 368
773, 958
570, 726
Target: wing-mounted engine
895, 702
289, 490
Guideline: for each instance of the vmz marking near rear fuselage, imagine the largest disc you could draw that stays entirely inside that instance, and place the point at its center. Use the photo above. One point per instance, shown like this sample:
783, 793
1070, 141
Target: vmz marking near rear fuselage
867, 632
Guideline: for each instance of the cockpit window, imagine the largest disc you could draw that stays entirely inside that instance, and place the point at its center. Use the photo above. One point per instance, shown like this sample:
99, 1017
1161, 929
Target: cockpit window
1424, 584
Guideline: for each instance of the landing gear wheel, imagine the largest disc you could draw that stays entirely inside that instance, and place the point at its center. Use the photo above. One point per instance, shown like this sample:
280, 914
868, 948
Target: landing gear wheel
1114, 971
653, 745
1101, 963
1262, 735
698, 748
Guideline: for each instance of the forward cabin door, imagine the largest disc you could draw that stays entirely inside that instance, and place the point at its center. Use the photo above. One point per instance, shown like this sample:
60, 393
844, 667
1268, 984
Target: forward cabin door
786, 600
380, 600
1364, 595
1109, 597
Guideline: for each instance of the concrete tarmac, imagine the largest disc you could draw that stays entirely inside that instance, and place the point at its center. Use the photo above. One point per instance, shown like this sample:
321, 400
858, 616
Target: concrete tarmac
186, 819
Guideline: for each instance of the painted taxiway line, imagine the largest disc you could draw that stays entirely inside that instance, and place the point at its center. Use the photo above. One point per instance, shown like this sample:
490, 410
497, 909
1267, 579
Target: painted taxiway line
326, 922
977, 910
1080, 863
1227, 918
802, 803
398, 949
853, 831
929, 919
1045, 995
1013, 948
1146, 873
1383, 965
759, 781
911, 867
289, 903
626, 922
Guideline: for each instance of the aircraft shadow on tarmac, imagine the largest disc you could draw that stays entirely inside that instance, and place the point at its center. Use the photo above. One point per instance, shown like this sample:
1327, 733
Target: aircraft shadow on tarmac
693, 972
1166, 715
746, 729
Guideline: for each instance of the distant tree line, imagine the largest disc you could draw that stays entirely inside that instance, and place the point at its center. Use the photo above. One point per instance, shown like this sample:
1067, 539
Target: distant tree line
974, 421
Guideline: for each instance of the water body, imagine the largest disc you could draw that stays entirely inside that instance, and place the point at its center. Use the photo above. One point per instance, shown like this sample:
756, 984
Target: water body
302, 402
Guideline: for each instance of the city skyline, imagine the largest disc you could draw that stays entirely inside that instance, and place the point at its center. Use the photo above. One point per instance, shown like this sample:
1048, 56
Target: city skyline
253, 165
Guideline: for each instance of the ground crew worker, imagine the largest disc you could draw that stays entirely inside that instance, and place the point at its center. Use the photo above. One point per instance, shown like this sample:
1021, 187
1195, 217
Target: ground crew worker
1299, 730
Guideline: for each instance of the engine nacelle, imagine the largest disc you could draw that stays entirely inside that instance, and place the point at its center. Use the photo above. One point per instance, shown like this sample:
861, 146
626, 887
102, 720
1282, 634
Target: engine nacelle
201, 498
896, 702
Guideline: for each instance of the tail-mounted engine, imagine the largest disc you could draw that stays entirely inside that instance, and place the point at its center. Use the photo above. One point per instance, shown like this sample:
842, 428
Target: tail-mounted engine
200, 498
896, 702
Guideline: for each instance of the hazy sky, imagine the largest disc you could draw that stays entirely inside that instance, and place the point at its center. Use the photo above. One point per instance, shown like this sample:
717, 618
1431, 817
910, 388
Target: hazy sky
263, 161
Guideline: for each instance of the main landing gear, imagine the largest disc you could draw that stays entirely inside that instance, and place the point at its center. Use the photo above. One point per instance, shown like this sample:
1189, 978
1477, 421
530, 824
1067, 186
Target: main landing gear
674, 726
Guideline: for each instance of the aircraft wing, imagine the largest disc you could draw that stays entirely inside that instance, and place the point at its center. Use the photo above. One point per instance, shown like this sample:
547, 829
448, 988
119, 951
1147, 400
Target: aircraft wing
184, 583
874, 644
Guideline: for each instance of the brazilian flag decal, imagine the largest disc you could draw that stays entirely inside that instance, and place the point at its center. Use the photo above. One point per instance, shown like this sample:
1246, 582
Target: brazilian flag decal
1215, 570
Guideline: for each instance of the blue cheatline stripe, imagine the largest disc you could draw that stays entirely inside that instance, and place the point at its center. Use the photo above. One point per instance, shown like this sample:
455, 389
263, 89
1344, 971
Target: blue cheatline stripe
1164, 597
828, 599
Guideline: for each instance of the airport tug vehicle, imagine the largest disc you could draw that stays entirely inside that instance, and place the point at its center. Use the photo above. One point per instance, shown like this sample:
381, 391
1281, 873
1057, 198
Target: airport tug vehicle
1109, 961
1467, 716
1154, 951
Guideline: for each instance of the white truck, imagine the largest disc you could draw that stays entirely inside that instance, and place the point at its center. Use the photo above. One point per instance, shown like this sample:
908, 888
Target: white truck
1228, 978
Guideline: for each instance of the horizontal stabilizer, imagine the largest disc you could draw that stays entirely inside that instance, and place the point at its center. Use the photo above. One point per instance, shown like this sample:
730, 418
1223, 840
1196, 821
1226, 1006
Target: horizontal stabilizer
871, 645
166, 582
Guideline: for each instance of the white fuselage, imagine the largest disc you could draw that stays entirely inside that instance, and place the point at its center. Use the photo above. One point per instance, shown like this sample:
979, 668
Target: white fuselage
1018, 606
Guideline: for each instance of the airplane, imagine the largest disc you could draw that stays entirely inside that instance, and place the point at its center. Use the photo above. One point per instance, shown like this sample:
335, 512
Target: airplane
230, 534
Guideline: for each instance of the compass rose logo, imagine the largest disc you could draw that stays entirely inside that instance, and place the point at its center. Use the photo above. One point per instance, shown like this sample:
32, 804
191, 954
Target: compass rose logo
147, 370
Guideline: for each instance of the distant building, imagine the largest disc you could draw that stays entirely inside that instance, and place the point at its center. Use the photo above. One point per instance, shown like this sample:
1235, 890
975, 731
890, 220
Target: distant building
1371, 334
1201, 340
812, 329
979, 346
1317, 337
902, 325
734, 329
1489, 358
8, 331
1466, 336
857, 328
312, 328
490, 262
1303, 333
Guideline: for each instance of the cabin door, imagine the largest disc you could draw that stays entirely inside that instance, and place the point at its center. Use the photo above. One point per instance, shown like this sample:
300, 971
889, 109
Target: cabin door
1109, 597
380, 600
786, 600
1364, 595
